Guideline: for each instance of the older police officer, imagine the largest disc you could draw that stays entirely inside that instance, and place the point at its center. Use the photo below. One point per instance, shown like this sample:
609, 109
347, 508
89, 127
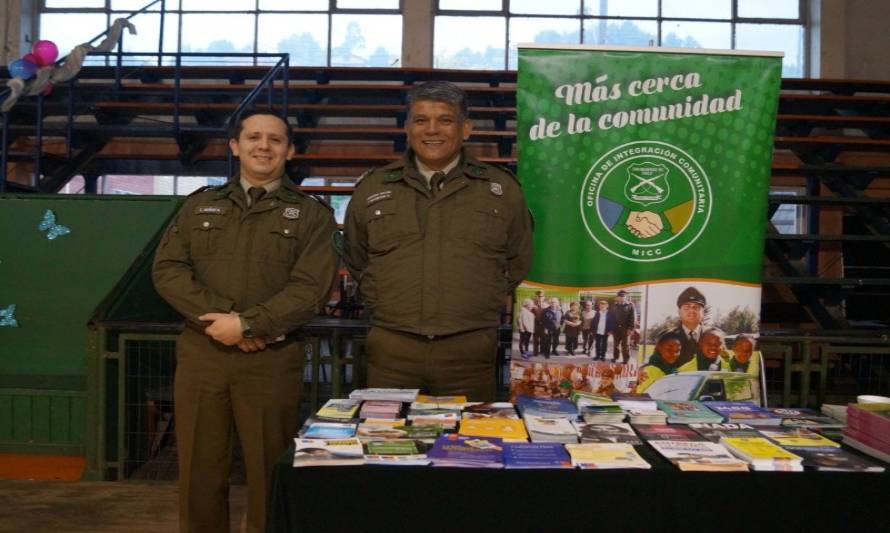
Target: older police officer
246, 264
437, 240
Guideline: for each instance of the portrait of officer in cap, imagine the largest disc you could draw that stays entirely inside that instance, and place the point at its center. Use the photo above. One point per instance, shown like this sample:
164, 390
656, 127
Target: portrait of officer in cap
691, 309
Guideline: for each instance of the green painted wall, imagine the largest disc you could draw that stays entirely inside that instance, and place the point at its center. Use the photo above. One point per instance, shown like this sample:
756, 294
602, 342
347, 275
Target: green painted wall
56, 285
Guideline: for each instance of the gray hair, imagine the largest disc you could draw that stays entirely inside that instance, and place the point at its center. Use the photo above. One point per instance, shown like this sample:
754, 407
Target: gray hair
440, 91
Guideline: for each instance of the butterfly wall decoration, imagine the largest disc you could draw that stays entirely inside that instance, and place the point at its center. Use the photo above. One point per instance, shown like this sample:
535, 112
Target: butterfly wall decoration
7, 320
53, 230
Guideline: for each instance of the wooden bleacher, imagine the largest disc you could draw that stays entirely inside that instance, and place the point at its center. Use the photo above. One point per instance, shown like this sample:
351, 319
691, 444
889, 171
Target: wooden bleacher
832, 141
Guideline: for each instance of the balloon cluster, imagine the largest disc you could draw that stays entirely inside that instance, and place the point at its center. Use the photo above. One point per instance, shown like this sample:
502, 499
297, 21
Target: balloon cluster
43, 53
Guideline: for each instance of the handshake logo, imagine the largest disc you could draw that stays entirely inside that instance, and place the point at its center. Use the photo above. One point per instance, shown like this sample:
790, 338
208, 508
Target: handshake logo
646, 201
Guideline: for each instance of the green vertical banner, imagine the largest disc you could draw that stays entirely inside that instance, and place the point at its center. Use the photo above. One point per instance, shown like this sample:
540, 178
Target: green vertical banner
647, 172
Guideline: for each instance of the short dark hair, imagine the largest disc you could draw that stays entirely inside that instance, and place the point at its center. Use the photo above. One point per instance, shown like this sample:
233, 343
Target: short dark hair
440, 91
238, 125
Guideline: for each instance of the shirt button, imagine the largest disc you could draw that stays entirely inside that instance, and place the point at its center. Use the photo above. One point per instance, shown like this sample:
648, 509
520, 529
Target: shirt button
377, 212
287, 232
206, 224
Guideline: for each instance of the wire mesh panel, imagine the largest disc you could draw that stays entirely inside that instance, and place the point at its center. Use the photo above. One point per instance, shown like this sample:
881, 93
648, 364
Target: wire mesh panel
855, 370
149, 440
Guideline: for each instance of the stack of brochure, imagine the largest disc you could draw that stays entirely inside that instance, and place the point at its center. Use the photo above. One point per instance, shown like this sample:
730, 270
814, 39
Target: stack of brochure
328, 452
679, 412
536, 455
508, 429
597, 409
398, 395
463, 451
380, 429
834, 460
763, 454
427, 433
744, 413
384, 409
316, 429
339, 409
548, 429
640, 409
619, 432
489, 410
396, 452
447, 417
868, 429
609, 414
553, 408
424, 401
805, 418
714, 432
797, 438
605, 456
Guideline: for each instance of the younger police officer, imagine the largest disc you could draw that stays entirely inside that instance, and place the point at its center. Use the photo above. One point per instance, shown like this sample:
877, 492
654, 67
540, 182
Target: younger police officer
437, 240
246, 264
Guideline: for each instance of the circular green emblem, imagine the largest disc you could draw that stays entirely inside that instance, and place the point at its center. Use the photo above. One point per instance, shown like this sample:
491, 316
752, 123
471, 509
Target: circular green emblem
645, 201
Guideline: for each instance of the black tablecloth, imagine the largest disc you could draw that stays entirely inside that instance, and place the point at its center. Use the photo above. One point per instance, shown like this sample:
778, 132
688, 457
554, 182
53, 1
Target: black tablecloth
406, 498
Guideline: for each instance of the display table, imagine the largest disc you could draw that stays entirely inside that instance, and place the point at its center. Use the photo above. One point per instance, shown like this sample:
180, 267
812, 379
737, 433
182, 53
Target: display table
403, 498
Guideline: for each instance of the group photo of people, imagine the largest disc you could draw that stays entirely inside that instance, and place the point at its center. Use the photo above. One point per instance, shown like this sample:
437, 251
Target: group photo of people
567, 325
629, 338
558, 380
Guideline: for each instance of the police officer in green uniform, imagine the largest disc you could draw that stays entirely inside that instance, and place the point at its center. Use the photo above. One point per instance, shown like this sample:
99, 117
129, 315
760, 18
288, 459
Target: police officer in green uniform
246, 264
437, 240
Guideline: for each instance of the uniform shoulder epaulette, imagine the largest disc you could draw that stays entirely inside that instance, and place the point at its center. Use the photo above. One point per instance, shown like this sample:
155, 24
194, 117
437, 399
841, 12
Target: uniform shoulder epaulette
508, 172
364, 175
291, 195
487, 170
206, 188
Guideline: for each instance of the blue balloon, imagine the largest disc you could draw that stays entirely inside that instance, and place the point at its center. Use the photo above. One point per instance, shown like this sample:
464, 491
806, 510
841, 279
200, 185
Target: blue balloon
22, 68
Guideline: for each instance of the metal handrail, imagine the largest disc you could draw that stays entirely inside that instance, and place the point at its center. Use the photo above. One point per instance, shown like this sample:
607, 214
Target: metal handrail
266, 83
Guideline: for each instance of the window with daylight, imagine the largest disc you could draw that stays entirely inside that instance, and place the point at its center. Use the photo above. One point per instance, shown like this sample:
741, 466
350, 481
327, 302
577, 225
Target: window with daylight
356, 33
484, 34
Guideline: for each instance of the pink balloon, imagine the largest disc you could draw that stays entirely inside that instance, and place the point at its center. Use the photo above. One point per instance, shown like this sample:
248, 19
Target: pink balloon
32, 58
46, 52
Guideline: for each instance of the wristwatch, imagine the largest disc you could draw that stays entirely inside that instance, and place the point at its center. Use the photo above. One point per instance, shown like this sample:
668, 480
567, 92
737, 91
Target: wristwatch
245, 328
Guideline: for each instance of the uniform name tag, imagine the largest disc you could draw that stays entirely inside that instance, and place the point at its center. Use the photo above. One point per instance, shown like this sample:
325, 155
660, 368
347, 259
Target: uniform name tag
378, 197
210, 210
291, 213
496, 189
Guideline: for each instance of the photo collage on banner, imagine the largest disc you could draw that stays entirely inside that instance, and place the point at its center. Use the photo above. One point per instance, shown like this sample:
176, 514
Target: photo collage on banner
647, 172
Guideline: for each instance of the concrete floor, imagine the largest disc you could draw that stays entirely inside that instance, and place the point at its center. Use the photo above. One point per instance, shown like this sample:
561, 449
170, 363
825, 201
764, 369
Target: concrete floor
102, 506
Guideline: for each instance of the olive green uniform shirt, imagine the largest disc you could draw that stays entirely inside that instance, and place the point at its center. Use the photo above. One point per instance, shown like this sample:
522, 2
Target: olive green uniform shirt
437, 262
273, 262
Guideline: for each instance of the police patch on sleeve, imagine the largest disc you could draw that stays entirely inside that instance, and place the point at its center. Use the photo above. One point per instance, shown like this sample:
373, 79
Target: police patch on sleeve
496, 189
291, 213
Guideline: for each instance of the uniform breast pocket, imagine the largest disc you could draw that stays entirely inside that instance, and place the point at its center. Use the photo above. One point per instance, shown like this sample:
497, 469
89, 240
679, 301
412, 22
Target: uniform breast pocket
490, 227
384, 229
285, 242
208, 235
